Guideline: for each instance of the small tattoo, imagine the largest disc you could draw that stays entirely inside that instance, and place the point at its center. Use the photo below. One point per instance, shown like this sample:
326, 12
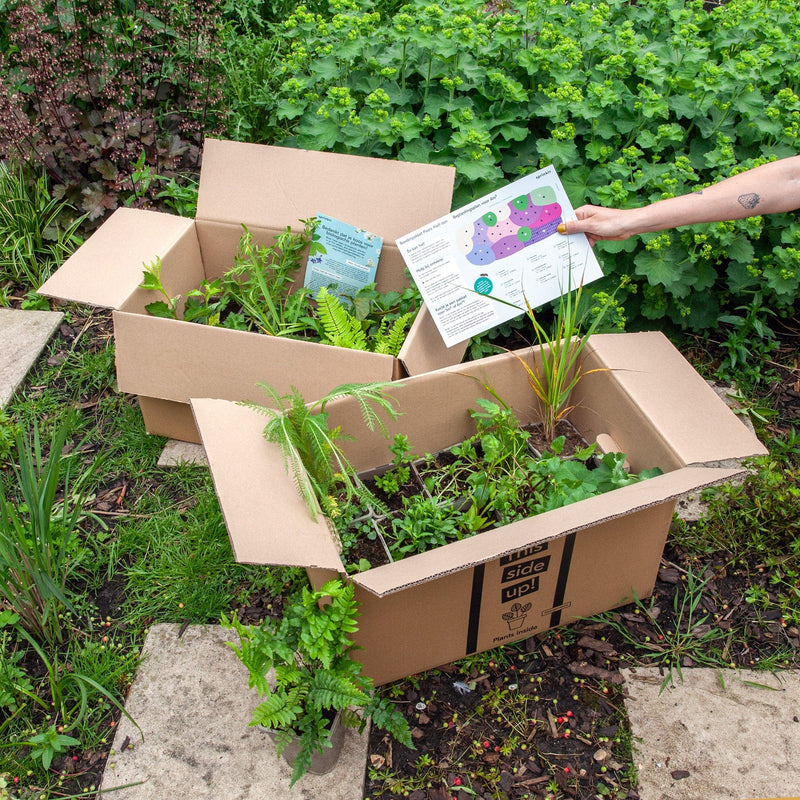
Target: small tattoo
749, 200
699, 191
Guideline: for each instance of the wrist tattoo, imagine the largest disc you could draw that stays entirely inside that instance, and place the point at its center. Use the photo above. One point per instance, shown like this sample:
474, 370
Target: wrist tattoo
699, 191
749, 200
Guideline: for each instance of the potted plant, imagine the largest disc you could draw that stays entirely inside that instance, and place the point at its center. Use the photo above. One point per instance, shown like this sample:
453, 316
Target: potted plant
319, 688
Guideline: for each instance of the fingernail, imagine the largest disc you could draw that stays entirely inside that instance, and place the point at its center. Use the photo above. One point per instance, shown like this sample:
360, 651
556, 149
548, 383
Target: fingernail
561, 227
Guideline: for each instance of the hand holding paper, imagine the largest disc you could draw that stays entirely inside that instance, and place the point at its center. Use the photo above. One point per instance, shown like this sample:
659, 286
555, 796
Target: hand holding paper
485, 263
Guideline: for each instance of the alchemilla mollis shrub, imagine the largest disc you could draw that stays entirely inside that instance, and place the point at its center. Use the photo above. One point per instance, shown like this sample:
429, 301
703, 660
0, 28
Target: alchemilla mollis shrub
631, 103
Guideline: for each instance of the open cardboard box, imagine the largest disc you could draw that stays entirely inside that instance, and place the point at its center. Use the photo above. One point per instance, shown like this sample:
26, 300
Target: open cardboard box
579, 560
266, 188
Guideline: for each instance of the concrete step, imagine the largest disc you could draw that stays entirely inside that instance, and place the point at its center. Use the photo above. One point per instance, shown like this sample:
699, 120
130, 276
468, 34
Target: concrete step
23, 336
717, 734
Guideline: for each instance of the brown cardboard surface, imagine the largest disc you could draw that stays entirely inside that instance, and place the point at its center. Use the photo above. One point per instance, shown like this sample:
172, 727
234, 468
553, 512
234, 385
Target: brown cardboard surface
649, 370
389, 198
168, 418
295, 539
506, 583
108, 266
174, 360
424, 349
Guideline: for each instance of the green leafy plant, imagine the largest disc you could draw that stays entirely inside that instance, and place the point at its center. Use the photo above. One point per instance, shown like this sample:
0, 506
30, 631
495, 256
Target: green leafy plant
258, 294
98, 138
631, 102
262, 277
45, 746
68, 699
755, 523
37, 231
688, 635
424, 524
14, 681
341, 328
37, 556
391, 480
316, 675
491, 479
559, 370
309, 446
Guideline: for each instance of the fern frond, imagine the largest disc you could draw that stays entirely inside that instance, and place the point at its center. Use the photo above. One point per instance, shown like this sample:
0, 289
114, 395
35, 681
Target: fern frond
341, 328
390, 342
367, 395
279, 710
330, 690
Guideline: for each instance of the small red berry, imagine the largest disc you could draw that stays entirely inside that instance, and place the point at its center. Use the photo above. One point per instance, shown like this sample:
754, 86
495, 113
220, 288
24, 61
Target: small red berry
487, 744
457, 781
497, 748
566, 769
569, 713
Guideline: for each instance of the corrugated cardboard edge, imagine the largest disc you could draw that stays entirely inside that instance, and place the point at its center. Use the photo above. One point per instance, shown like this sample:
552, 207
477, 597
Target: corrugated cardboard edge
495, 543
384, 196
247, 470
106, 269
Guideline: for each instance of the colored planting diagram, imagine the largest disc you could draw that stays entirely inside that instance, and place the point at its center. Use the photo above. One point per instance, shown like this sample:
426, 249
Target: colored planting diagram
509, 228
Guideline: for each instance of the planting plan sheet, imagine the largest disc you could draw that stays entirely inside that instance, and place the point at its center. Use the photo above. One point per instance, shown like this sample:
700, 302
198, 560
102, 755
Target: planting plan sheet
485, 263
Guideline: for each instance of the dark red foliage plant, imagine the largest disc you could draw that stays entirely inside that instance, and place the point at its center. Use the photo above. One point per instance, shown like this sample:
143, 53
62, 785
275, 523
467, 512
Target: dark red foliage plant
108, 93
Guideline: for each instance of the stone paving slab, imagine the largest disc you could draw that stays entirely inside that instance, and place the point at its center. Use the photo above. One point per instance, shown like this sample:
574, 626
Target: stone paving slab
23, 335
718, 735
191, 701
177, 452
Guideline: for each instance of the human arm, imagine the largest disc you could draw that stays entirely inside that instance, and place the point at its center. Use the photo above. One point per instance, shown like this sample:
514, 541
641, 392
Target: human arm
767, 189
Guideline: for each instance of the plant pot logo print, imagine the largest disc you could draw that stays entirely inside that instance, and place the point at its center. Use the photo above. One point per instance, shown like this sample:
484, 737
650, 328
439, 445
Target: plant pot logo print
516, 616
510, 227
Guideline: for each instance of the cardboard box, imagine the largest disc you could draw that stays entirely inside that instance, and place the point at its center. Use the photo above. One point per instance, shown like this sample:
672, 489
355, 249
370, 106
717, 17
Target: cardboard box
166, 361
579, 560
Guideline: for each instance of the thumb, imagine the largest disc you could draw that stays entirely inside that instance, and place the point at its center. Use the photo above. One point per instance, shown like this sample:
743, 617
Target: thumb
567, 226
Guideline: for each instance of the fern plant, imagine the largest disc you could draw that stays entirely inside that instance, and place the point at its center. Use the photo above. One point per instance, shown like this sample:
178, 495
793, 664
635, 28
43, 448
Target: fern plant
339, 326
391, 335
309, 446
343, 327
316, 676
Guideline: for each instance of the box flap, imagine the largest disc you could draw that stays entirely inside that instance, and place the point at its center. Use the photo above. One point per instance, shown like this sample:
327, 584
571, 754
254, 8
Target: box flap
424, 349
249, 475
493, 544
273, 187
107, 268
694, 422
